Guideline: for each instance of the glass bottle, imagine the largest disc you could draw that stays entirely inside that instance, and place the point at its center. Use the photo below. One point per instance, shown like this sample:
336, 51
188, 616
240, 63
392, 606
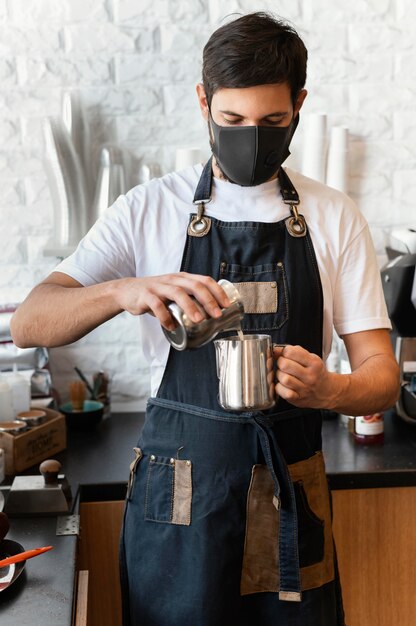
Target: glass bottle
369, 429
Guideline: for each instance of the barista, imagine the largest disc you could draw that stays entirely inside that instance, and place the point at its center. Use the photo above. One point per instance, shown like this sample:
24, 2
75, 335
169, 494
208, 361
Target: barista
228, 516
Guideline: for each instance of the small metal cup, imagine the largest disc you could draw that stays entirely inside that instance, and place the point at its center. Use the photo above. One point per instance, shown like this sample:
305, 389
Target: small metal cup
245, 369
188, 334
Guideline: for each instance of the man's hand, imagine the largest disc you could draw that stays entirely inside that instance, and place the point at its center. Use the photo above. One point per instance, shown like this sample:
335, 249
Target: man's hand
302, 378
152, 294
60, 310
372, 386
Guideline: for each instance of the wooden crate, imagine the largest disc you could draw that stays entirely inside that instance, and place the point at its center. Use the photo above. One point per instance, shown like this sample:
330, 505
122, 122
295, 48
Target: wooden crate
34, 445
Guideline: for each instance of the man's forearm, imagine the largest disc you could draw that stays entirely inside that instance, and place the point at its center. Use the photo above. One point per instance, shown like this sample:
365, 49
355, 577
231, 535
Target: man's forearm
53, 315
371, 388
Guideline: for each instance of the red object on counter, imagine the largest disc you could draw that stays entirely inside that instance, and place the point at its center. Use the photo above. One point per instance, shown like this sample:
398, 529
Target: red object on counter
23, 556
369, 429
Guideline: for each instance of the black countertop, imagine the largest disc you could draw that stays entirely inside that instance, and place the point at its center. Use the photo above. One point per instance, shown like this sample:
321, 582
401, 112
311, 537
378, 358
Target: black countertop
97, 465
352, 465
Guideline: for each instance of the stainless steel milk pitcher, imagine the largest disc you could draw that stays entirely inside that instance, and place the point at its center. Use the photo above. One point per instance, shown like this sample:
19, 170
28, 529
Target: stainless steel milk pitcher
189, 334
245, 369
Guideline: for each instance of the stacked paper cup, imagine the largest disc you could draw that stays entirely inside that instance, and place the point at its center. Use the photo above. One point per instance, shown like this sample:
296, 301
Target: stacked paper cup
337, 168
186, 157
315, 147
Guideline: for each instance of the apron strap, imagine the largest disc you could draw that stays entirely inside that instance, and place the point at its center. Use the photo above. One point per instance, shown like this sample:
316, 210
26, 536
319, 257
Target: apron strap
288, 191
296, 223
200, 225
203, 190
204, 187
285, 503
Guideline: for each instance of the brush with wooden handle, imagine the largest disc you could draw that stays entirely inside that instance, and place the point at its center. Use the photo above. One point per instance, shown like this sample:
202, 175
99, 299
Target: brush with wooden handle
77, 392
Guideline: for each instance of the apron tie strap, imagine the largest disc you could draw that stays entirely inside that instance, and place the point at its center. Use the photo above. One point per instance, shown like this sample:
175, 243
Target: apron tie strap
203, 190
284, 501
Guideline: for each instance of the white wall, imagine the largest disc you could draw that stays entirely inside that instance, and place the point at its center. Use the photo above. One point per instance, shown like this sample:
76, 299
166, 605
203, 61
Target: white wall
135, 64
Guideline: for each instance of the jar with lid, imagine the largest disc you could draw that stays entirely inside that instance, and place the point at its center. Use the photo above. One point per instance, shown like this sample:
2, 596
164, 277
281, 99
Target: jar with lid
369, 429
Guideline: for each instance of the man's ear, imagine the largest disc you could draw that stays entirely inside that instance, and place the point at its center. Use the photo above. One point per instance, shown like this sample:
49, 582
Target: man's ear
299, 101
202, 98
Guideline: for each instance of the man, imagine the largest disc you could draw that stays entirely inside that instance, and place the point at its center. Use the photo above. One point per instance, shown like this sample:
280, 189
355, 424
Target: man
228, 515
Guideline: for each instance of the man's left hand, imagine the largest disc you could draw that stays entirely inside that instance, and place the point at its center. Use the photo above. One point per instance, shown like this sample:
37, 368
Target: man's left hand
302, 378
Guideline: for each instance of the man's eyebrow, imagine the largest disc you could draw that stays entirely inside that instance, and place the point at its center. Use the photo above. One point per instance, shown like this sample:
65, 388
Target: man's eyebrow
230, 113
275, 114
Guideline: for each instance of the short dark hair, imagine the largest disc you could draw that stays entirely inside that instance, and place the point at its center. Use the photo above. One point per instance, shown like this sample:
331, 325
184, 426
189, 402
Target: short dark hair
255, 49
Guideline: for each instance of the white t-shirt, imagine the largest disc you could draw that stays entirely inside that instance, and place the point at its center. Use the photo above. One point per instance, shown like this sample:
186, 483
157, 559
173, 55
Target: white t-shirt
144, 232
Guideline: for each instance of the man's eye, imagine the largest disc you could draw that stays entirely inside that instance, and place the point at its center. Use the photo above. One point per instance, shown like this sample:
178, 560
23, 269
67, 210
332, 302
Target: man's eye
231, 121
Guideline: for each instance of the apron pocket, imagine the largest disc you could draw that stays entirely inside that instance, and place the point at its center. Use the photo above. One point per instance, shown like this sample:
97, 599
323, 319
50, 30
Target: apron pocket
168, 491
310, 529
264, 293
316, 547
260, 570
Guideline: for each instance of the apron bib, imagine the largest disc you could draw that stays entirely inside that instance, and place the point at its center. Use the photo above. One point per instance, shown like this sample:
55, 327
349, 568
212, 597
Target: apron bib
227, 517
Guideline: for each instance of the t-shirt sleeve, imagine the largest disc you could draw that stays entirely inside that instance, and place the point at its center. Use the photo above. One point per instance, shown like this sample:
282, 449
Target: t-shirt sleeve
359, 302
107, 250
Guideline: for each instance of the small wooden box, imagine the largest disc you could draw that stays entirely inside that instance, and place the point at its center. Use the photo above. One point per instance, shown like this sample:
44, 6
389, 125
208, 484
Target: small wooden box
34, 445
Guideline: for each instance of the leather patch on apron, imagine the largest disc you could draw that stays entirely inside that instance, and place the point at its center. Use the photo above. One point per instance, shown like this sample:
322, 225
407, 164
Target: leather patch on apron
260, 570
182, 493
261, 297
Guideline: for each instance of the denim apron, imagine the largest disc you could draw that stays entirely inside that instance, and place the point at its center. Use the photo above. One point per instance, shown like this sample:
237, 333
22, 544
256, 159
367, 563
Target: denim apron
228, 517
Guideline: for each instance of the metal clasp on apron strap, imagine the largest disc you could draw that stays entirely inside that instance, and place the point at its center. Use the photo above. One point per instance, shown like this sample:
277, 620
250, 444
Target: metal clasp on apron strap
295, 224
200, 224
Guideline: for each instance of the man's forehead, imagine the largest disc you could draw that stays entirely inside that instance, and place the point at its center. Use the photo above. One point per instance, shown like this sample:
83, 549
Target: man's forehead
261, 99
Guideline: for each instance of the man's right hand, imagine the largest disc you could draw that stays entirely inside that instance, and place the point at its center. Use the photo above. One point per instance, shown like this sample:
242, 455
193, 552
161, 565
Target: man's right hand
60, 310
152, 294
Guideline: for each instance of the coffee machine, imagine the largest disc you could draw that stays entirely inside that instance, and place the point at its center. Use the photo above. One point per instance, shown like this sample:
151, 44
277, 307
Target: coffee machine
399, 285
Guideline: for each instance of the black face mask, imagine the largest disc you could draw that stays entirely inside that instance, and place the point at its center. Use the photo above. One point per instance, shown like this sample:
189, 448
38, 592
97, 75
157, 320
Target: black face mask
250, 155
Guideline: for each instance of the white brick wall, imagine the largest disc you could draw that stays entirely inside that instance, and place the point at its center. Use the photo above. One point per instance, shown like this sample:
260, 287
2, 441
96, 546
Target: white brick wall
135, 65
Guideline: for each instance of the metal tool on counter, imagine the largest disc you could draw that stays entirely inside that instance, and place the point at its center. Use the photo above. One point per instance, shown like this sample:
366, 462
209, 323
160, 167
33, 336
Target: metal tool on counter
47, 494
189, 334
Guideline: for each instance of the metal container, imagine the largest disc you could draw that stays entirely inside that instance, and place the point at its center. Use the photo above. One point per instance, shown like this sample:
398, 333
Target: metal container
33, 417
245, 369
189, 334
14, 427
